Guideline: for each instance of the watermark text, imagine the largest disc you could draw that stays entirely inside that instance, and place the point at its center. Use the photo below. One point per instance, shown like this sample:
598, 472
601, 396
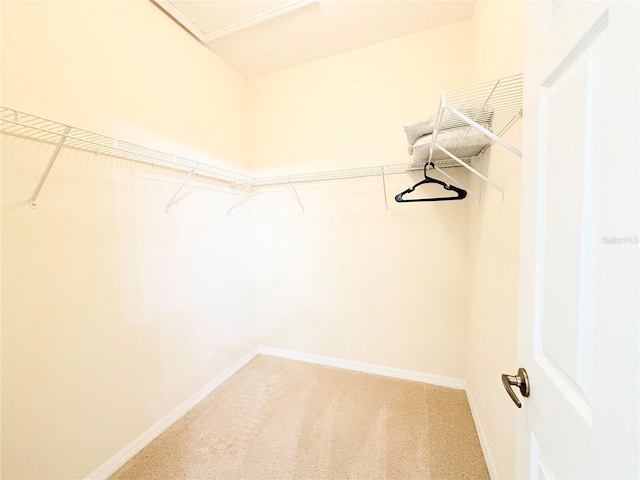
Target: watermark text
629, 240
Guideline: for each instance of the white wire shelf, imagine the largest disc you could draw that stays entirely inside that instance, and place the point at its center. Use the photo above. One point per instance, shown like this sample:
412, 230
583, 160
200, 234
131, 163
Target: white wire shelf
32, 127
337, 174
491, 108
496, 106
497, 102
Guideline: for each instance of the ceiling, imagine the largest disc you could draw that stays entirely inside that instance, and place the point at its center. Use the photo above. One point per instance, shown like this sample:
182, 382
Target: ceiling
257, 37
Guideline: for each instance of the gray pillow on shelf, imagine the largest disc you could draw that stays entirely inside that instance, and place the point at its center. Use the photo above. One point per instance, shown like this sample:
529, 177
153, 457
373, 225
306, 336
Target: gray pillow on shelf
472, 109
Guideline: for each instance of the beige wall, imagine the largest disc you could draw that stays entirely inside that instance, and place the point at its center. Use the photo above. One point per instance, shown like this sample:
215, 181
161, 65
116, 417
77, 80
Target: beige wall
348, 110
347, 278
123, 69
494, 232
113, 313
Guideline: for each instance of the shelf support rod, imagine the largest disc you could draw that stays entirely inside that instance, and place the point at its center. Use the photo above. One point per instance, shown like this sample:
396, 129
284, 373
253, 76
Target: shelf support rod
184, 182
295, 193
36, 192
436, 125
477, 115
489, 134
504, 130
384, 189
472, 170
237, 202
453, 180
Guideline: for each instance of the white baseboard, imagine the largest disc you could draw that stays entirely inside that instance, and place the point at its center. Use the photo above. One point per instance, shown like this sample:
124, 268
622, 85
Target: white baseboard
112, 465
491, 466
374, 369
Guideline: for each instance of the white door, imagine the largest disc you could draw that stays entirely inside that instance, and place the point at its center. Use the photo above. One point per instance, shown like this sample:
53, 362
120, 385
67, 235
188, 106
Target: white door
579, 312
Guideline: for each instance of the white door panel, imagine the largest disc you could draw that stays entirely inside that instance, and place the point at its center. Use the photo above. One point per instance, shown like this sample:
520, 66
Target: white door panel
579, 267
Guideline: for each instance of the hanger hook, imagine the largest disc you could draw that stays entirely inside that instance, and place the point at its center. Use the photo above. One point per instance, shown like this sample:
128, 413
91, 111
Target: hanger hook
424, 169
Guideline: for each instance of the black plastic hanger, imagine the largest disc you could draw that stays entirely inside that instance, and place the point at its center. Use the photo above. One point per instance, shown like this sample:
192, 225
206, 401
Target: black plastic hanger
461, 193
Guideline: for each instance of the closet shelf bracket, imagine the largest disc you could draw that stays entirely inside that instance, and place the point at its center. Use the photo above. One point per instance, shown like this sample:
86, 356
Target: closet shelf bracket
295, 194
237, 202
45, 174
471, 169
451, 179
384, 188
184, 182
479, 127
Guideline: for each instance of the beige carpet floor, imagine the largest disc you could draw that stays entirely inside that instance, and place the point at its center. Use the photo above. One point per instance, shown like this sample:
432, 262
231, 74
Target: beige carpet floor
282, 419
